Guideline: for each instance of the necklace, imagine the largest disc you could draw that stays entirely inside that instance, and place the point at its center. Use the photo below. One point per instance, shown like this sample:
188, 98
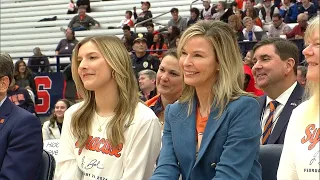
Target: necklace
100, 125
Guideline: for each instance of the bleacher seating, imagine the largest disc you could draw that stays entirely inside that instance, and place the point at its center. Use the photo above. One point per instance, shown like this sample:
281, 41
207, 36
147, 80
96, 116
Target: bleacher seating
21, 32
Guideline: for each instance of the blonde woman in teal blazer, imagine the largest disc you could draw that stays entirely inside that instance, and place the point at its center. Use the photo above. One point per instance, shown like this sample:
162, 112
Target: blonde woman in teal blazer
213, 131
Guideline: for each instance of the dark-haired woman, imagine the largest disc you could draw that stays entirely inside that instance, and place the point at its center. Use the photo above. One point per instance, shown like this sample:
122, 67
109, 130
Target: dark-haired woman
158, 45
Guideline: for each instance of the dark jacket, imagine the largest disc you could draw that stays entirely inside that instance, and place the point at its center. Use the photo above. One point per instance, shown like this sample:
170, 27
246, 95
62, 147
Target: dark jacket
66, 46
71, 91
86, 22
39, 64
30, 82
21, 98
21, 143
143, 16
145, 62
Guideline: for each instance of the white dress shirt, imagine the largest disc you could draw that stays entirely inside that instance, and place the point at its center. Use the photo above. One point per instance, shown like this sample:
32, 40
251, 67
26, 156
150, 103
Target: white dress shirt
2, 101
282, 101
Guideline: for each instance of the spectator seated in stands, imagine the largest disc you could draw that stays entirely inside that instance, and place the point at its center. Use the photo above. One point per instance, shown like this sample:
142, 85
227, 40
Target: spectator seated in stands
85, 4
302, 75
144, 15
177, 20
267, 11
256, 20
298, 31
128, 37
24, 78
308, 8
221, 10
292, 14
71, 91
194, 16
72, 8
240, 14
173, 33
158, 45
147, 84
235, 22
284, 8
278, 27
249, 84
127, 21
249, 29
82, 21
149, 34
66, 45
51, 129
140, 58
250, 5
20, 97
208, 10
38, 62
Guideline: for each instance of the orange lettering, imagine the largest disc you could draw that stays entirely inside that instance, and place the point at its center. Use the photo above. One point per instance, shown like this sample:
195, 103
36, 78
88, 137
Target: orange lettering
101, 145
21, 97
312, 136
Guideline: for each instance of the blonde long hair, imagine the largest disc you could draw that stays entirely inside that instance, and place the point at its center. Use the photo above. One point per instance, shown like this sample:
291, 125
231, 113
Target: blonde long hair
312, 88
117, 57
230, 79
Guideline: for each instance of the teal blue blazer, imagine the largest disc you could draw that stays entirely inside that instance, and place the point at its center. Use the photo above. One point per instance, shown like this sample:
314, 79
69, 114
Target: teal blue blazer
229, 149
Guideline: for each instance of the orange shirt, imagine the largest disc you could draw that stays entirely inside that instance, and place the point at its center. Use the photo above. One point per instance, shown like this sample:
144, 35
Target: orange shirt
164, 47
201, 123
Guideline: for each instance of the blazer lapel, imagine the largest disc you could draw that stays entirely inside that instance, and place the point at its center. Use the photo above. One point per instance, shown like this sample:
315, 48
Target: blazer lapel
186, 136
209, 132
5, 110
293, 101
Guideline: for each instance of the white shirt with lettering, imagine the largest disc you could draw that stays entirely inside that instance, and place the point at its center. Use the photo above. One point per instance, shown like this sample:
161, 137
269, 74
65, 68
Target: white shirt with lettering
134, 159
300, 155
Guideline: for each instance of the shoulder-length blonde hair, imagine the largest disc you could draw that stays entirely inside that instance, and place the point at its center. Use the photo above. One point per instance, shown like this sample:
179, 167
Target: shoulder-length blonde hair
312, 88
229, 82
119, 60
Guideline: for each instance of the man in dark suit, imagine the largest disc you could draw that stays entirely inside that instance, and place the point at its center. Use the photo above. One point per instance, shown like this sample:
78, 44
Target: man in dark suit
20, 133
275, 72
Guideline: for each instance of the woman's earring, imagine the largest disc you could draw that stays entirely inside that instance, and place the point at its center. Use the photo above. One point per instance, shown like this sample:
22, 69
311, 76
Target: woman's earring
113, 74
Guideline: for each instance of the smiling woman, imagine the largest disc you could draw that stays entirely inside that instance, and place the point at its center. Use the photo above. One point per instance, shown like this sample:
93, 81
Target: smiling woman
300, 155
51, 129
110, 135
213, 131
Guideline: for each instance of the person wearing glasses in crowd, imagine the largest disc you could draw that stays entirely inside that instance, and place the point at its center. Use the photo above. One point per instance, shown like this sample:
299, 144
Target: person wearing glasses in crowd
21, 143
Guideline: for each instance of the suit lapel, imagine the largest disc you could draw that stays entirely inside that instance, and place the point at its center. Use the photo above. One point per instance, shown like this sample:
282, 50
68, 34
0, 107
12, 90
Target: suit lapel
211, 128
262, 102
293, 101
5, 110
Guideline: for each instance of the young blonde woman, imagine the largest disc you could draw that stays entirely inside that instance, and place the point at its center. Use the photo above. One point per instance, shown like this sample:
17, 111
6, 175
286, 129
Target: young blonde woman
51, 129
301, 150
110, 135
213, 132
